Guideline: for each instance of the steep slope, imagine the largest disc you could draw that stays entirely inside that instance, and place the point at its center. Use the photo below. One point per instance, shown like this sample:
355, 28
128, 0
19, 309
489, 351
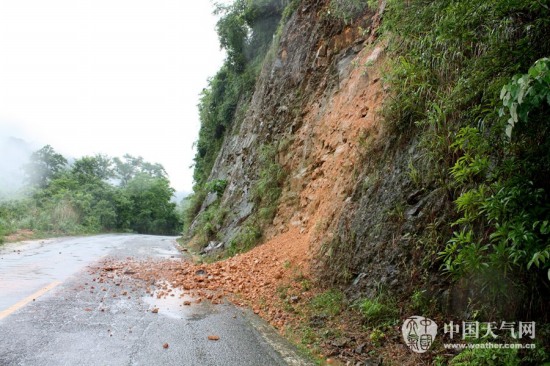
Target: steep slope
312, 102
316, 108
355, 147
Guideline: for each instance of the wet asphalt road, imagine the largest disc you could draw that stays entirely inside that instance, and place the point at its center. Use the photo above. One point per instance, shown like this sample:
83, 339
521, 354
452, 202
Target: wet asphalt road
49, 315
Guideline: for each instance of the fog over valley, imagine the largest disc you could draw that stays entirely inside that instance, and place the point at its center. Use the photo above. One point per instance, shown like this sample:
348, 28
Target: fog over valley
14, 154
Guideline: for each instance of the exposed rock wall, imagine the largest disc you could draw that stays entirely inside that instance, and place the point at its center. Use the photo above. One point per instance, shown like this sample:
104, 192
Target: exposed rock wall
349, 186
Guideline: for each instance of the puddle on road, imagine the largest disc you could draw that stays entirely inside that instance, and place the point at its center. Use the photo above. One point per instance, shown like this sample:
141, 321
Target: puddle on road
173, 306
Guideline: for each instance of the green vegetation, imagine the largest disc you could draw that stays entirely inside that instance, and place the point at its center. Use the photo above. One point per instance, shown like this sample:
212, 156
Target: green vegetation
268, 188
246, 30
502, 356
420, 302
348, 10
470, 78
486, 357
376, 311
322, 311
2, 232
265, 194
83, 197
481, 351
248, 236
43, 166
216, 186
328, 303
209, 222
508, 200
377, 336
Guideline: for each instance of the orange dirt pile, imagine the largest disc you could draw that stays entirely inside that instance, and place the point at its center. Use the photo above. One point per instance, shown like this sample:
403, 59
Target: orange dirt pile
271, 279
260, 278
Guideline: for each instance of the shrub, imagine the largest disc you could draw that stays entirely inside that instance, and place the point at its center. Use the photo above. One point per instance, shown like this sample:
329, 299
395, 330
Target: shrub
505, 220
484, 132
347, 10
216, 186
2, 232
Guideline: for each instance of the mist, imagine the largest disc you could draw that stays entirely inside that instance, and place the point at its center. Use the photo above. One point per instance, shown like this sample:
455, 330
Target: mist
14, 154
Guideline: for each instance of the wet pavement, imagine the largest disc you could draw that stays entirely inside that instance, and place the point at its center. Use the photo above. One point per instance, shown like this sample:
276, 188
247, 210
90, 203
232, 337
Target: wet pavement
27, 267
83, 322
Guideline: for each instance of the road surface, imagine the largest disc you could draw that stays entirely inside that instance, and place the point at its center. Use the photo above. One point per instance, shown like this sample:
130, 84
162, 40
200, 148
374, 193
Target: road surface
51, 314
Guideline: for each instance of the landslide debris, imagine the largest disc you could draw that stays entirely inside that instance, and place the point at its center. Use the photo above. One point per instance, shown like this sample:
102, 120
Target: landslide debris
275, 281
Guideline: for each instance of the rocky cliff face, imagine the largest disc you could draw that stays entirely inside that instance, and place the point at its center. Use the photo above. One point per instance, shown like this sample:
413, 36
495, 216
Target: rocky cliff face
367, 161
348, 187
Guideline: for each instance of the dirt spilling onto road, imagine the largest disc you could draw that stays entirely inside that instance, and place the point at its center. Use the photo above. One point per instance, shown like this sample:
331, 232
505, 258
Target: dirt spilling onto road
265, 278
274, 280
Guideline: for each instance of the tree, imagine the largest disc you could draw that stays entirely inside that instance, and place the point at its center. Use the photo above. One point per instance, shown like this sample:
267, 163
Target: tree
151, 209
130, 166
93, 167
233, 32
245, 29
44, 165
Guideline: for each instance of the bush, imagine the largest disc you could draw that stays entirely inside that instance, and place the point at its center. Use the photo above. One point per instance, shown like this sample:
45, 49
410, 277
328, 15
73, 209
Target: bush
484, 132
2, 232
209, 222
216, 186
507, 201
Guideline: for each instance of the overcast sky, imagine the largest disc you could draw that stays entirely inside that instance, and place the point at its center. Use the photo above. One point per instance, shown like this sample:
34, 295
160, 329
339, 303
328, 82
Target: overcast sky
108, 76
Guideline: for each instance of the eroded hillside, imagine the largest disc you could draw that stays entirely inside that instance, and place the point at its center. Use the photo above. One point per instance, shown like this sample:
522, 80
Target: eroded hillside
313, 112
354, 147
